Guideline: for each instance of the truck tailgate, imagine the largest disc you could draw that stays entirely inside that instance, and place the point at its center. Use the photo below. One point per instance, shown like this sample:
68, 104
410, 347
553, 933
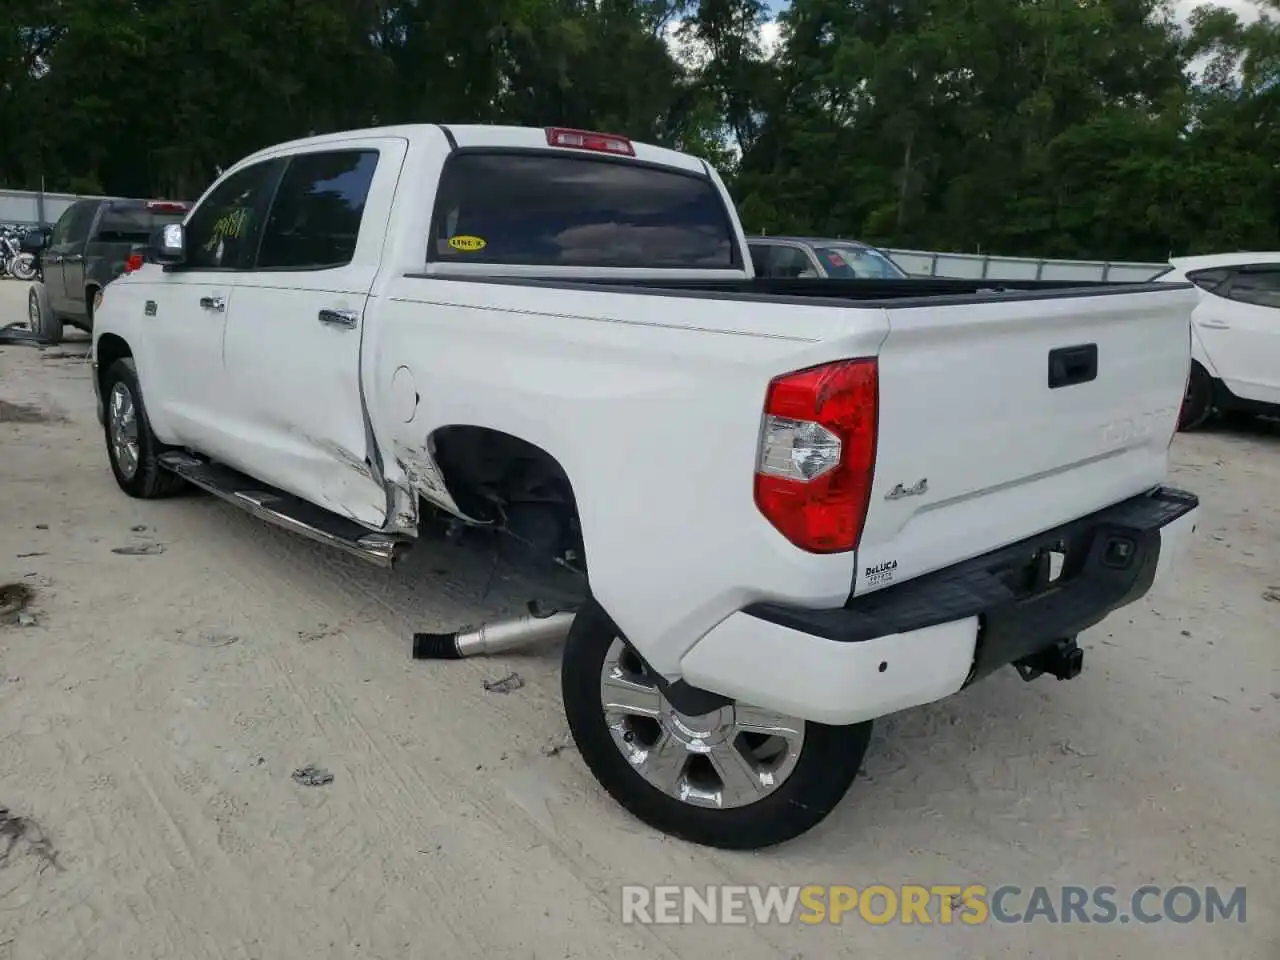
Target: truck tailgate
1003, 418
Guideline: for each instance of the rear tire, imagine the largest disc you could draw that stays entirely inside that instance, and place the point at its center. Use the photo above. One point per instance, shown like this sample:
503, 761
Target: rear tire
1197, 403
132, 448
44, 323
812, 784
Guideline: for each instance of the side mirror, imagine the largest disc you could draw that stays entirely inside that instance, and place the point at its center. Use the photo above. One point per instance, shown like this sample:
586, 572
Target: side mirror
168, 244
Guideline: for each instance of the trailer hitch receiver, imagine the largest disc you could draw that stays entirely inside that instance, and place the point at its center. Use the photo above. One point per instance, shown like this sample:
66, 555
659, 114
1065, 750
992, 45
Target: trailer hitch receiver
1064, 660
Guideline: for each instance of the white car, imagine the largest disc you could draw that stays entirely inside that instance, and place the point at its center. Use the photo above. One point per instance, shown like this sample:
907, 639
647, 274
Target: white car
788, 507
1235, 334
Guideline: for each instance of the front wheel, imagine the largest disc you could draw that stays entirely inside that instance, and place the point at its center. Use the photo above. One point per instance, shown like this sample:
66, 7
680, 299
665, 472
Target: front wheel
132, 448
739, 777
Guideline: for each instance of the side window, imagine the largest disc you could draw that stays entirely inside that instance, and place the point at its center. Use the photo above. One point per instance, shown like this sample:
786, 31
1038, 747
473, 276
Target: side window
1258, 285
73, 225
789, 262
223, 231
760, 258
59, 234
315, 217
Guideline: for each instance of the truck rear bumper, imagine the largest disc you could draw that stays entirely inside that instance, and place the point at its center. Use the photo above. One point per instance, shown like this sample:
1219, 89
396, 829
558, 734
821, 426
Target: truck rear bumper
927, 638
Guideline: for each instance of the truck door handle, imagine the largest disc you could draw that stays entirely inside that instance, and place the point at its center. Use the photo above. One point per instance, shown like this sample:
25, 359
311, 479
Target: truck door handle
213, 303
1069, 366
73, 258
1214, 324
346, 319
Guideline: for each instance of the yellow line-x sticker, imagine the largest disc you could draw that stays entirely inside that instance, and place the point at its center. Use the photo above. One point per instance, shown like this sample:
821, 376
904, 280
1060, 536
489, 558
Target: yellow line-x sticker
467, 244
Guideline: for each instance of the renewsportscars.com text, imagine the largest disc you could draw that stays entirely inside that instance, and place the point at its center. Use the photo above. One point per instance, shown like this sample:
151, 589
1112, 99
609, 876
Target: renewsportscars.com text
970, 904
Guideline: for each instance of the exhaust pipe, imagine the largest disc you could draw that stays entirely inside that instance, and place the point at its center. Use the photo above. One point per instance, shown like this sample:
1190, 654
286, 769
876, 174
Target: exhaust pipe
496, 637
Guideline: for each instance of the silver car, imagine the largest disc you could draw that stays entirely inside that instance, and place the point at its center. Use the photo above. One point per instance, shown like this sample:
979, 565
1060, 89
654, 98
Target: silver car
790, 257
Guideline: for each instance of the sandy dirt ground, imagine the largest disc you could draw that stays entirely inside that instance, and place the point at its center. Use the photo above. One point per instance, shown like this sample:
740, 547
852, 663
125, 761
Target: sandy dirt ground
152, 716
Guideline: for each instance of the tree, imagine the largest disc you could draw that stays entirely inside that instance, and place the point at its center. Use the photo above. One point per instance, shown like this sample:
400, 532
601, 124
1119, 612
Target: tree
1074, 128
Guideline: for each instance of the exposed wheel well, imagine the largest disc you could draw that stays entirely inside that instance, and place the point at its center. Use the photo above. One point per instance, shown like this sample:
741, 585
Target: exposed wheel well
520, 487
110, 349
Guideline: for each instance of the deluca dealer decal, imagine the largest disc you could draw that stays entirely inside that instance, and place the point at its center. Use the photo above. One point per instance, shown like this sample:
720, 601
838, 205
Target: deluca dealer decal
880, 574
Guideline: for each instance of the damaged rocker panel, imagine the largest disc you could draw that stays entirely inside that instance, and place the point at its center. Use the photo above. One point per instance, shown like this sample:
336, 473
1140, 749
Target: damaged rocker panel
287, 512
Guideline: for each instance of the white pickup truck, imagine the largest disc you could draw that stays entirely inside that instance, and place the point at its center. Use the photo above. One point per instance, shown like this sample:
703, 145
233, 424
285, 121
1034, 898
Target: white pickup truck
794, 506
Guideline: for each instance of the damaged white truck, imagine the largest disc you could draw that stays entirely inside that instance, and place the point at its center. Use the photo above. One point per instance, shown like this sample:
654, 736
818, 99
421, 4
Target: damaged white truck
792, 506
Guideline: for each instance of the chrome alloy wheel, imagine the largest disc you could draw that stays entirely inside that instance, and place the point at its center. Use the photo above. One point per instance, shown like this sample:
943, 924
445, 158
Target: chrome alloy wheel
122, 429
730, 757
33, 311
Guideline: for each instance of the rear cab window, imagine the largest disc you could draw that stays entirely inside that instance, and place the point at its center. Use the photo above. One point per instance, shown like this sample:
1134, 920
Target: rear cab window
538, 208
133, 223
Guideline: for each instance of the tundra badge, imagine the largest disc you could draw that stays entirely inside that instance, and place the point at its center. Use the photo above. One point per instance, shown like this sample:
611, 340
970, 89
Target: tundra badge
899, 491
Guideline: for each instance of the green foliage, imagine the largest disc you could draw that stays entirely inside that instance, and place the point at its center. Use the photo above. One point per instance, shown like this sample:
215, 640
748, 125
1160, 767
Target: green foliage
1073, 128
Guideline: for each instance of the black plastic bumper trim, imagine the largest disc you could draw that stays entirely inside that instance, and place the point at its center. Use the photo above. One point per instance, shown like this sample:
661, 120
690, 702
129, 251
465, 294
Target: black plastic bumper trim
1020, 612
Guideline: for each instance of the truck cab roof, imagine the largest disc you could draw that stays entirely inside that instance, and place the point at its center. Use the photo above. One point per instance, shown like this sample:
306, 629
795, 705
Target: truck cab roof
479, 136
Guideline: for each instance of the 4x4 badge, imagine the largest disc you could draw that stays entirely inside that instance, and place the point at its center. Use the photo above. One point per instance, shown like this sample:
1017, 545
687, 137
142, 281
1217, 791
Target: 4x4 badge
917, 488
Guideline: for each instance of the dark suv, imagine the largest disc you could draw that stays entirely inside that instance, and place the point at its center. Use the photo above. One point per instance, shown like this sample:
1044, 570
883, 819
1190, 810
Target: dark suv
93, 242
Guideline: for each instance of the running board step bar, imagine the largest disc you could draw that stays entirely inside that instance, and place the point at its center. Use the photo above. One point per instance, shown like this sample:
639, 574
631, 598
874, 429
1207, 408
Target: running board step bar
286, 511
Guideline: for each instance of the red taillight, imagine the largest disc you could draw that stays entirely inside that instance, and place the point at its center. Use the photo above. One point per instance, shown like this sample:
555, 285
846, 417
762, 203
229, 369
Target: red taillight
818, 453
132, 262
167, 206
586, 140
